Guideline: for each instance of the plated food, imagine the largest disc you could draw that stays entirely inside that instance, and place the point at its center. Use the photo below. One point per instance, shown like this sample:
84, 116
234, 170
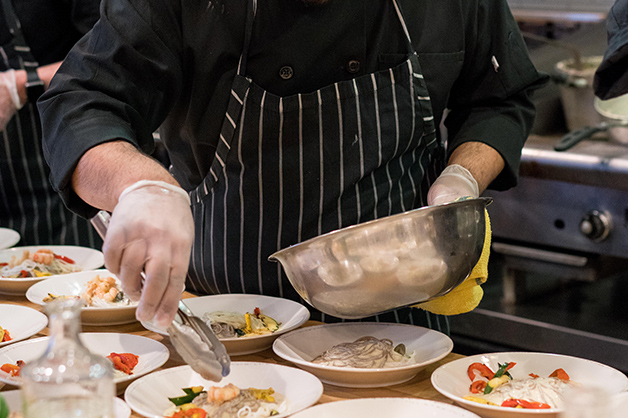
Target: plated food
422, 347
24, 266
229, 324
14, 401
19, 323
385, 407
453, 380
151, 354
8, 238
228, 400
149, 395
106, 303
286, 314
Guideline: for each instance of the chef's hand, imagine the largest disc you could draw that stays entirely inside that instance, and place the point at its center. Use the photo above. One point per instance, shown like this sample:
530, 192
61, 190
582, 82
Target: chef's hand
454, 182
9, 99
151, 230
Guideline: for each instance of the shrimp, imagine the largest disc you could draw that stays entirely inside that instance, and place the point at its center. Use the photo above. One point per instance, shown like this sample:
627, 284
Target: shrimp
222, 394
43, 256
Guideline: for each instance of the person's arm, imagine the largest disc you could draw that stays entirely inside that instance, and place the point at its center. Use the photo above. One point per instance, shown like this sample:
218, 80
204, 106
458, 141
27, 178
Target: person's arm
45, 72
482, 161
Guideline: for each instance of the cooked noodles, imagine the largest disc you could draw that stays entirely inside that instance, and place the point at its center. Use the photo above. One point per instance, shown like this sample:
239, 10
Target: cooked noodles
41, 263
227, 324
365, 353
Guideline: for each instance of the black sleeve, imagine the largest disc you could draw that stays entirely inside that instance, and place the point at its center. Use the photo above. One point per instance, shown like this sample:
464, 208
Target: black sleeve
491, 100
84, 14
116, 83
611, 77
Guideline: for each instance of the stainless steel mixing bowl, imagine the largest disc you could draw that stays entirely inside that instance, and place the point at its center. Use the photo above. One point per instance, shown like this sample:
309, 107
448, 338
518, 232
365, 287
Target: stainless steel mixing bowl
396, 261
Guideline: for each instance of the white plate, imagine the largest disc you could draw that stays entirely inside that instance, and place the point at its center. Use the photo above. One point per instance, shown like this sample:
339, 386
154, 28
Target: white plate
8, 238
152, 354
301, 346
13, 397
87, 258
385, 407
21, 322
289, 314
451, 379
148, 396
73, 284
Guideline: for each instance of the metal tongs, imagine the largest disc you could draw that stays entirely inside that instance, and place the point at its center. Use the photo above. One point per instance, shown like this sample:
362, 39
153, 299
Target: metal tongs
193, 339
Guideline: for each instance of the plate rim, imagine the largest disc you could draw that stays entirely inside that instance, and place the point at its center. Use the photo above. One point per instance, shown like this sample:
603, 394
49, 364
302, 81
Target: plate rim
356, 370
461, 401
121, 380
319, 391
42, 317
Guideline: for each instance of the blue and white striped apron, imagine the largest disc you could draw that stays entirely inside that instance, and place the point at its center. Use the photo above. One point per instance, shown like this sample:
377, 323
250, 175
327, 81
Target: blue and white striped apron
290, 168
28, 203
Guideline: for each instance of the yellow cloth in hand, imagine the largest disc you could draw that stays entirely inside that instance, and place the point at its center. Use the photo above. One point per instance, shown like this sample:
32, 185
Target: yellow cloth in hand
466, 296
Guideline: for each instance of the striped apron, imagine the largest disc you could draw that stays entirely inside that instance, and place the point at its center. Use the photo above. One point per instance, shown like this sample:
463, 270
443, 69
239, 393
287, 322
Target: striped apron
287, 169
28, 204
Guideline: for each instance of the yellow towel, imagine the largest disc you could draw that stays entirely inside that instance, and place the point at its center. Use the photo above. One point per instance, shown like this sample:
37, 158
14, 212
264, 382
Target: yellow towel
468, 294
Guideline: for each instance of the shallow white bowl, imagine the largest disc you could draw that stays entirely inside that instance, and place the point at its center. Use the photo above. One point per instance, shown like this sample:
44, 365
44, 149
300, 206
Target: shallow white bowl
451, 379
13, 398
303, 345
289, 314
152, 354
21, 322
8, 238
73, 284
385, 407
87, 258
148, 396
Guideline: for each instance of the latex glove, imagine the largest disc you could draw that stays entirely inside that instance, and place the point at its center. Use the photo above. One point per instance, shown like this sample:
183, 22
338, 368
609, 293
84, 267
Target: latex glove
453, 183
9, 99
151, 230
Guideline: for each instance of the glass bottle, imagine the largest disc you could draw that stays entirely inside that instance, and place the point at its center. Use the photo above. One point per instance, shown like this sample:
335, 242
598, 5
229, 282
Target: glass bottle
68, 380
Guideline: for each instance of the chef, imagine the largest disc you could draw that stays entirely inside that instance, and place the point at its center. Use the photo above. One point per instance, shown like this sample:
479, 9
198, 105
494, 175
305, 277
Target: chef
283, 119
611, 77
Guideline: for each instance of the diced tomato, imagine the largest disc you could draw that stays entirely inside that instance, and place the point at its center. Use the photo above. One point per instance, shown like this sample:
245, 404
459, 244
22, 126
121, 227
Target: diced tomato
478, 386
190, 413
536, 376
560, 373
6, 336
12, 369
4, 264
513, 403
256, 311
64, 258
482, 369
23, 273
125, 362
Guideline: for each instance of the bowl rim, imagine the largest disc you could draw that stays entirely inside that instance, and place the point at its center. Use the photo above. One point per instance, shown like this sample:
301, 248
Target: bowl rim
351, 228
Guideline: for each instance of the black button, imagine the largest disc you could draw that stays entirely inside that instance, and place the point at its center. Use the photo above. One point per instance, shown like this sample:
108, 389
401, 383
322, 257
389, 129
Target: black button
353, 66
286, 72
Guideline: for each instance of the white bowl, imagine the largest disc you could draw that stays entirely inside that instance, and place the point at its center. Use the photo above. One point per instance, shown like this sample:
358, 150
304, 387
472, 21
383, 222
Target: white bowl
289, 314
152, 354
86, 258
21, 322
73, 284
8, 238
148, 396
385, 407
303, 345
13, 398
451, 379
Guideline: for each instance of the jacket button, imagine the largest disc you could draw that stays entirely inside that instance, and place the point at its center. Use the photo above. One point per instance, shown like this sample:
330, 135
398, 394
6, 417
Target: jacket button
286, 72
353, 66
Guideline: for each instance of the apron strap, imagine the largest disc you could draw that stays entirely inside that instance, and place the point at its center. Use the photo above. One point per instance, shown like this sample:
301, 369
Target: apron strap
404, 26
248, 34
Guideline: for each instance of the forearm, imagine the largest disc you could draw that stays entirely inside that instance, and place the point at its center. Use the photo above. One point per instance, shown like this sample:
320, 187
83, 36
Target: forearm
45, 72
104, 171
481, 160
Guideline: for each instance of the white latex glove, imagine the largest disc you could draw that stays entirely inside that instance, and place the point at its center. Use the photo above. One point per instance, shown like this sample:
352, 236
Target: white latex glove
9, 99
454, 182
151, 230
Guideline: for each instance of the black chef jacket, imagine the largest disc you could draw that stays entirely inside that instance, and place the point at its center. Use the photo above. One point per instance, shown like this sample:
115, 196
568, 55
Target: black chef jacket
171, 63
611, 77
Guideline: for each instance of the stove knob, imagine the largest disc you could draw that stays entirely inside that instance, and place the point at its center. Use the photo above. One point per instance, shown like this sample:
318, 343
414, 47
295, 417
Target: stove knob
596, 225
